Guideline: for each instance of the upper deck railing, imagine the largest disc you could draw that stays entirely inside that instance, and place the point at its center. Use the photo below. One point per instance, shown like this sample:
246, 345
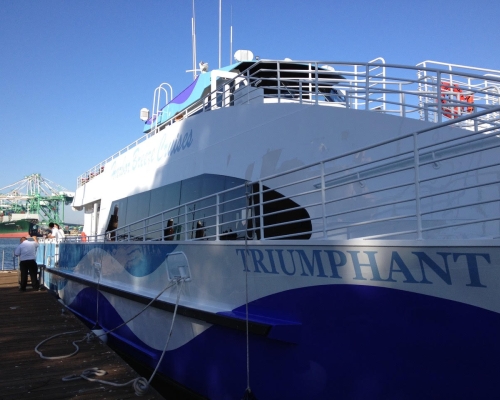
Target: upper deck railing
434, 187
443, 92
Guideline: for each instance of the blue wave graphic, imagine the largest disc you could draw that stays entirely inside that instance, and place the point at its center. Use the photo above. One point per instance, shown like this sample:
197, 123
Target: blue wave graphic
137, 259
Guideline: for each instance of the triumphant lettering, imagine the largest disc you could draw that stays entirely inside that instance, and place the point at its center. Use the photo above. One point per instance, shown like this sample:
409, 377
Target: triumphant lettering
417, 267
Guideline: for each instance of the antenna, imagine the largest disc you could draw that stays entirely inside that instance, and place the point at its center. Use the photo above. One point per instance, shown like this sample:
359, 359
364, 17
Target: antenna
193, 33
220, 31
231, 39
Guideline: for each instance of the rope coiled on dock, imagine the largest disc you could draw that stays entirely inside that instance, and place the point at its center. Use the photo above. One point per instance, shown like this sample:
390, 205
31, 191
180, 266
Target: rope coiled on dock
140, 385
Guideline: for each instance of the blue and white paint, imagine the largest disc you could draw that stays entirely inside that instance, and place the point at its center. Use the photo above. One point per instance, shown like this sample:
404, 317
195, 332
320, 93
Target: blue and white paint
374, 312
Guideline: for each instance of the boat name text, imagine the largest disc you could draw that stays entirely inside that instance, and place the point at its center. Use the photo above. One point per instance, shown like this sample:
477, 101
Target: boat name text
366, 265
141, 157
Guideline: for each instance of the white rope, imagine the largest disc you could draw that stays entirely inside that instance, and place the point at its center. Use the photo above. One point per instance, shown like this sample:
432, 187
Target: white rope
136, 315
97, 289
58, 357
91, 335
179, 287
140, 385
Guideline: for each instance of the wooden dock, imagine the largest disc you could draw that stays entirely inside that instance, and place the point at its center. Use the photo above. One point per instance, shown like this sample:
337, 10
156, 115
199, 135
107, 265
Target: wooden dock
28, 318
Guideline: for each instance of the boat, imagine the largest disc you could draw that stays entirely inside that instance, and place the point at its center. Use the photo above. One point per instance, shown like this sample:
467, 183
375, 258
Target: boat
17, 225
301, 229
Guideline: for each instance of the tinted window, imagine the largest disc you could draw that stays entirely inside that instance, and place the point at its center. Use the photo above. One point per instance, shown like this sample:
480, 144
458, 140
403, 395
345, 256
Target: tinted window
282, 216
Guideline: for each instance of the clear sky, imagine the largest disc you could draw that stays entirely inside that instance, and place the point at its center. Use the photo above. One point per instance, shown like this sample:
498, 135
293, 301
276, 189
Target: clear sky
75, 73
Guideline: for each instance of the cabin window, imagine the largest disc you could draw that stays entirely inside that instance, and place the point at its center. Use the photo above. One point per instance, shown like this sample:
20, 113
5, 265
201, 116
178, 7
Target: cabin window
282, 216
138, 208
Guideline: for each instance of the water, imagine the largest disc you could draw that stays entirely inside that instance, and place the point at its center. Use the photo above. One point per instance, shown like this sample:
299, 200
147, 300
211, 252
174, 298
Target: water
7, 247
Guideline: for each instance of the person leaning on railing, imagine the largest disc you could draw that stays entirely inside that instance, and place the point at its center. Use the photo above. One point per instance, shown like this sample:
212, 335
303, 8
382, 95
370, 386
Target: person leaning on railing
54, 233
26, 251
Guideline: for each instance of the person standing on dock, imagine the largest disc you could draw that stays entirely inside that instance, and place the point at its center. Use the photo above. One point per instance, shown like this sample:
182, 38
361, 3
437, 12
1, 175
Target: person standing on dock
26, 251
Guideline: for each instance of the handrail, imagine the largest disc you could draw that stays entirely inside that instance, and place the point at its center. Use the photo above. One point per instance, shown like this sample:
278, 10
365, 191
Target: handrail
381, 197
373, 86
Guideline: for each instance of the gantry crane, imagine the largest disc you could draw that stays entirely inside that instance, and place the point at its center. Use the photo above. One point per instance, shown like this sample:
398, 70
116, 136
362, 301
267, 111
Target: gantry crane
35, 196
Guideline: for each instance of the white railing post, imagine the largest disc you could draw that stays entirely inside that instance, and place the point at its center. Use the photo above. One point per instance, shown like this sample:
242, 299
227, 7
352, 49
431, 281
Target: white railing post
162, 233
316, 82
367, 85
323, 198
217, 213
439, 98
186, 226
310, 84
279, 81
249, 86
261, 210
402, 100
416, 158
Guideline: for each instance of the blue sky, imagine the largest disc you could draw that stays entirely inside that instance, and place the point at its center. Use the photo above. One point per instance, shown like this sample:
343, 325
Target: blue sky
75, 73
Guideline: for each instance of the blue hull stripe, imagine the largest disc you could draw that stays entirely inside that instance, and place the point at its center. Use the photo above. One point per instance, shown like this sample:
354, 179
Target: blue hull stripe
354, 342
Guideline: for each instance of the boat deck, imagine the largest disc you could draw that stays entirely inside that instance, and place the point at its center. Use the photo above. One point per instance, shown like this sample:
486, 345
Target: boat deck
27, 318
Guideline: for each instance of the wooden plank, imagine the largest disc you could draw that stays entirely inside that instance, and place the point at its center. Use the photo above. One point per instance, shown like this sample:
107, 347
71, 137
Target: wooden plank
28, 318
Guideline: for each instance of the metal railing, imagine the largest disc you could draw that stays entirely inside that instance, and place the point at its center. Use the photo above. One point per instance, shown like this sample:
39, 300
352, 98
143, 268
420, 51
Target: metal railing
7, 266
411, 187
430, 94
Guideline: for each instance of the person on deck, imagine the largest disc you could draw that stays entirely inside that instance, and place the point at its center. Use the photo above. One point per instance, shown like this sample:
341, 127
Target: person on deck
26, 251
54, 233
62, 235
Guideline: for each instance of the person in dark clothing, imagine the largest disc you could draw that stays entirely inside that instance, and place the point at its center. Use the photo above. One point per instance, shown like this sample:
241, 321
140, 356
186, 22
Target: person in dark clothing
26, 251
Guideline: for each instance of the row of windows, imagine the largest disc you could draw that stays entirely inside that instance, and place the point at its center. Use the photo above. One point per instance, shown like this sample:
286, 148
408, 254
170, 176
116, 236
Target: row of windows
235, 212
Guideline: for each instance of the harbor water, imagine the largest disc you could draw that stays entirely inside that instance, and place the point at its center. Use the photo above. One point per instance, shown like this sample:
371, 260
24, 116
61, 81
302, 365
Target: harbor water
7, 259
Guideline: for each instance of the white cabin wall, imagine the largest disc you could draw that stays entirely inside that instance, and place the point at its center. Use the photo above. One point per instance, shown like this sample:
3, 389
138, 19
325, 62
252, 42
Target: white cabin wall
248, 141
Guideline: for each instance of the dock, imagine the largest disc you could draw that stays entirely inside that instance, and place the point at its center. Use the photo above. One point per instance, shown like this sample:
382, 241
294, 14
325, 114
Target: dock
28, 318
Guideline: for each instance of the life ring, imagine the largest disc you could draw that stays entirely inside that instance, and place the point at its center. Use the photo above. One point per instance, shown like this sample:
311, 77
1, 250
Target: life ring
467, 98
83, 236
454, 94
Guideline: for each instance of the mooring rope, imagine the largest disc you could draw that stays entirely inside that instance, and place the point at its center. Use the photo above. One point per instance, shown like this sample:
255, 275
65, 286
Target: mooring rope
141, 384
247, 390
91, 335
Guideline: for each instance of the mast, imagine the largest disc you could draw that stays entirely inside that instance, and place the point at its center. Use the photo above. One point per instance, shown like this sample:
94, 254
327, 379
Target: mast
193, 38
220, 32
231, 39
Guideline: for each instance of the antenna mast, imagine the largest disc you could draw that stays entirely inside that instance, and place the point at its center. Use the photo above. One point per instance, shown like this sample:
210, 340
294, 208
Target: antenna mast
220, 32
193, 34
231, 39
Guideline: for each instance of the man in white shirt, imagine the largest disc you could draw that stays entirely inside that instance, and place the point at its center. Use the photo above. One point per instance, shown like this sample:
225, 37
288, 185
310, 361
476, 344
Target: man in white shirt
26, 251
54, 233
